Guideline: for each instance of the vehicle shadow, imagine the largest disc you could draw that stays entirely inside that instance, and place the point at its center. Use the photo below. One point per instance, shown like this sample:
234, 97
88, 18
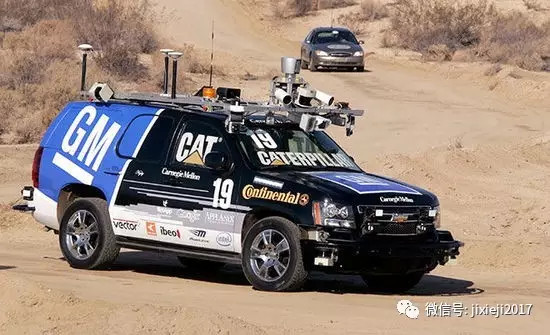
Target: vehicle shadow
159, 264
430, 285
167, 265
6, 267
344, 70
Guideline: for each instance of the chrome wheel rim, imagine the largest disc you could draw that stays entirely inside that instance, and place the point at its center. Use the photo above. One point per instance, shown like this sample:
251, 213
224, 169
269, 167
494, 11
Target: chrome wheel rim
269, 255
82, 234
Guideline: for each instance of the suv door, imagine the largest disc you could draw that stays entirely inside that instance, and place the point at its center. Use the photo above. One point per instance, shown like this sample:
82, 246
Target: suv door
132, 207
201, 200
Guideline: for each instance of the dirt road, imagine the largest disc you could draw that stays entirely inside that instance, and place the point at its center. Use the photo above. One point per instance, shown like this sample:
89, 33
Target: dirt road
483, 151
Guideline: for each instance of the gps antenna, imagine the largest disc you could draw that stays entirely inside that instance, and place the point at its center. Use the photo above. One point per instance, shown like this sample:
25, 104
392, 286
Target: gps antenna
174, 55
212, 56
85, 48
165, 52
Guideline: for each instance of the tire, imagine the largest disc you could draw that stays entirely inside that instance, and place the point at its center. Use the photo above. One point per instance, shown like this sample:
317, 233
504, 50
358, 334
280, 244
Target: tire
361, 69
393, 283
99, 236
303, 65
273, 277
199, 265
311, 65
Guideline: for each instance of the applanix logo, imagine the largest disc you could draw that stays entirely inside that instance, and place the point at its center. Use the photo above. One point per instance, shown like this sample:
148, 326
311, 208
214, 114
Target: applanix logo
406, 307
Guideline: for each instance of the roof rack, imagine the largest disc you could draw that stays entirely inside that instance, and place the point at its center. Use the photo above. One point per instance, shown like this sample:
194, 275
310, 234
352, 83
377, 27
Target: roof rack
290, 96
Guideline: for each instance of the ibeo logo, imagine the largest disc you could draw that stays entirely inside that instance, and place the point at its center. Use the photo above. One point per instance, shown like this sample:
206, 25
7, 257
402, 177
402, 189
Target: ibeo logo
170, 232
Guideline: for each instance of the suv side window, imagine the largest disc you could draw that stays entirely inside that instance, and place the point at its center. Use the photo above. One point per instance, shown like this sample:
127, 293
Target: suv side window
195, 141
154, 149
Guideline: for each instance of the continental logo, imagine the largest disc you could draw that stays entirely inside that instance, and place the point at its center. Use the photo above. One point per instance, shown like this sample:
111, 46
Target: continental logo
250, 192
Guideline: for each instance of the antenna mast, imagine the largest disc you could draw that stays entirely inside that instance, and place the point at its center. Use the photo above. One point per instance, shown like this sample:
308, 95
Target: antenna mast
212, 56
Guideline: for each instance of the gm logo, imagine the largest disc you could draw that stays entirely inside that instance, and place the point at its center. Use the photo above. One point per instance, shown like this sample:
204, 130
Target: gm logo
88, 144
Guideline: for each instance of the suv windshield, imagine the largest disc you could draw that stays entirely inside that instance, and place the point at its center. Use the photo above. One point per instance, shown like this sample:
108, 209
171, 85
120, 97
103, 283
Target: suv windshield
284, 146
334, 36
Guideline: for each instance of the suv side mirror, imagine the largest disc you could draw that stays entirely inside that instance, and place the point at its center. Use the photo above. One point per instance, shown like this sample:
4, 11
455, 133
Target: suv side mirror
216, 160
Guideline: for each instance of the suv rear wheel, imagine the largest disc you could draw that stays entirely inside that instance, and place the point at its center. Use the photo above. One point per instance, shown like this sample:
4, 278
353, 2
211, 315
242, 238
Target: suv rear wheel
272, 255
86, 236
392, 283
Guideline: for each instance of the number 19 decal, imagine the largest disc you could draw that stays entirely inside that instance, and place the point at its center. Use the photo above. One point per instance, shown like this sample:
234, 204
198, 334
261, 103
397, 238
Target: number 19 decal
223, 189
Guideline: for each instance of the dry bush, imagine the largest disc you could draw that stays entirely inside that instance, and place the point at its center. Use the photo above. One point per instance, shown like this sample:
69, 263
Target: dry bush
418, 24
119, 30
426, 25
28, 54
533, 5
327, 4
17, 14
299, 7
370, 10
515, 39
353, 21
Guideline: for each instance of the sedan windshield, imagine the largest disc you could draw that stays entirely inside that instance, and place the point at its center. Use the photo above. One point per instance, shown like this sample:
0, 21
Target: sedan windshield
334, 36
289, 146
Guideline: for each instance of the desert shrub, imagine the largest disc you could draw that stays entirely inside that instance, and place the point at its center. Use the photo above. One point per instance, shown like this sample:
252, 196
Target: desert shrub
119, 31
533, 5
370, 10
432, 25
515, 39
418, 24
299, 7
17, 14
28, 54
327, 4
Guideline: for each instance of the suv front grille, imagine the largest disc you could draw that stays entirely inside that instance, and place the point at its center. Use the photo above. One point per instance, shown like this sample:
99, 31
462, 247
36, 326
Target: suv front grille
395, 220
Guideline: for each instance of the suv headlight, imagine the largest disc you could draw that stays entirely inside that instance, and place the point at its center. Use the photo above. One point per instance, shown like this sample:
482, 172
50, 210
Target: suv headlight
327, 213
321, 53
358, 53
436, 214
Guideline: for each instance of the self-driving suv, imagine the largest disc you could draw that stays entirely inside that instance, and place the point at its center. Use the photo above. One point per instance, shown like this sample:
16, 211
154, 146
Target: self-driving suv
217, 180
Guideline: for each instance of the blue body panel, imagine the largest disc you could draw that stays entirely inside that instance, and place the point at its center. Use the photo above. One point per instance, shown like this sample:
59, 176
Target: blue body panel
364, 184
80, 146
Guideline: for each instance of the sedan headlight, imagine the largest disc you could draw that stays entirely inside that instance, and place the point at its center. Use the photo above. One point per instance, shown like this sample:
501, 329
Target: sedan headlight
358, 53
327, 213
321, 53
435, 213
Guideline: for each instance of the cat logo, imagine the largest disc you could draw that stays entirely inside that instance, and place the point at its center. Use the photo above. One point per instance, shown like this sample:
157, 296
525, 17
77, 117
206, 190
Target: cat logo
193, 148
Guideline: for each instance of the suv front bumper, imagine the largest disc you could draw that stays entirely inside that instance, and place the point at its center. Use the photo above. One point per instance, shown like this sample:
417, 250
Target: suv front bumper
386, 255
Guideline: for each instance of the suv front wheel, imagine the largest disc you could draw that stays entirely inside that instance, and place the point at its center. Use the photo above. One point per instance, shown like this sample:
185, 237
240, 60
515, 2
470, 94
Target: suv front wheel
86, 236
272, 255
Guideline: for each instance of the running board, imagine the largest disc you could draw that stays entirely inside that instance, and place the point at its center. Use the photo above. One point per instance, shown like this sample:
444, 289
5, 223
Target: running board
191, 252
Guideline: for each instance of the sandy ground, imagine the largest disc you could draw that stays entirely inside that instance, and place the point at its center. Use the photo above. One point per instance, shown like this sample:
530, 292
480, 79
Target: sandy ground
480, 142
